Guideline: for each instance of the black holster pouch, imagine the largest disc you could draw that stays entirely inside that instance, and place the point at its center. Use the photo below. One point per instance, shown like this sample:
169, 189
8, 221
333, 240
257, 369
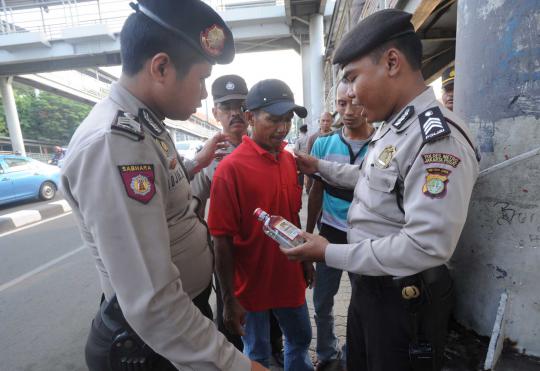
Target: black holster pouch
128, 351
416, 294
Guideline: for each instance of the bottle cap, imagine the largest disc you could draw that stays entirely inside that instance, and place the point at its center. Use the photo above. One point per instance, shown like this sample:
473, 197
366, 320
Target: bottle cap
259, 213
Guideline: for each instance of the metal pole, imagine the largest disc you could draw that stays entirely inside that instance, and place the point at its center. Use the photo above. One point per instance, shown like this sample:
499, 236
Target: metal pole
306, 82
316, 40
14, 126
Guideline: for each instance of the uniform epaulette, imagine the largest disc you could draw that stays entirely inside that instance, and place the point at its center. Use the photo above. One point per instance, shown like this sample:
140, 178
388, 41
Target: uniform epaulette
433, 125
126, 124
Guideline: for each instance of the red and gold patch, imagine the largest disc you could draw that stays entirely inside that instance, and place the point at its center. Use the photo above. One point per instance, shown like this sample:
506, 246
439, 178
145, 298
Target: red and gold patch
436, 180
213, 40
138, 181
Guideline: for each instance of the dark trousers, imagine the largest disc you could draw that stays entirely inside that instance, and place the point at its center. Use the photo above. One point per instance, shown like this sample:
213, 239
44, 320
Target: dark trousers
101, 337
381, 325
276, 336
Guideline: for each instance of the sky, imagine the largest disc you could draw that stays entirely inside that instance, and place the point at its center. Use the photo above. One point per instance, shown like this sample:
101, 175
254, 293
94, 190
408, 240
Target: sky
285, 65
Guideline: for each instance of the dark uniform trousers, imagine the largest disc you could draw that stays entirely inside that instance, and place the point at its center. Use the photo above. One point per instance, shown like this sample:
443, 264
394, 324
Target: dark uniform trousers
383, 328
100, 339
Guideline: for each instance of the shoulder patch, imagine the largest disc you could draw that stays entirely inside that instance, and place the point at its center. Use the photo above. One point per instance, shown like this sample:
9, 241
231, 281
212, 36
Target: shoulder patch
436, 182
441, 158
149, 120
433, 125
125, 122
406, 115
138, 181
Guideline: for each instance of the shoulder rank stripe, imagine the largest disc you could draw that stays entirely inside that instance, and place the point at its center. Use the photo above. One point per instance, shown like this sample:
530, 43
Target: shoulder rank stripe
406, 115
124, 122
433, 125
148, 119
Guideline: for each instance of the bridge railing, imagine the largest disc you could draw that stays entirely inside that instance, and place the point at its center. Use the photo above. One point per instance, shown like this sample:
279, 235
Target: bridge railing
50, 17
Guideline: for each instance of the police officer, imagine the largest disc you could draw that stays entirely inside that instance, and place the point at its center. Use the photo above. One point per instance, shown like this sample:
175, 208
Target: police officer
131, 196
448, 87
410, 203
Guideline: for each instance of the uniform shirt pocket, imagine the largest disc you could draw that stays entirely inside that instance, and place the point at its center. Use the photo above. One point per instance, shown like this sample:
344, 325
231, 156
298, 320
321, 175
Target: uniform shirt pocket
381, 198
382, 180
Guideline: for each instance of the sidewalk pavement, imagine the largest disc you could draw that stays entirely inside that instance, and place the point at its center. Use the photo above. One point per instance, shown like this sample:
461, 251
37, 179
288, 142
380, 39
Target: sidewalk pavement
33, 214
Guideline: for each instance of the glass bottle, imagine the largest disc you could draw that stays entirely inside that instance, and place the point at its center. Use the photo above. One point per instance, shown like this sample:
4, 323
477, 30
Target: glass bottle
280, 229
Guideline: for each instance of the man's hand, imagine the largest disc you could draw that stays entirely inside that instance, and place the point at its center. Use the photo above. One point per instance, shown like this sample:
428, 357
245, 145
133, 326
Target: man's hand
306, 164
312, 250
309, 274
255, 366
205, 156
234, 316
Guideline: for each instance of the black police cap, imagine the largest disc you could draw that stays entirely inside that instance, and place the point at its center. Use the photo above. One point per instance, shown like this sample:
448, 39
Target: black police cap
448, 76
229, 87
273, 96
371, 32
194, 22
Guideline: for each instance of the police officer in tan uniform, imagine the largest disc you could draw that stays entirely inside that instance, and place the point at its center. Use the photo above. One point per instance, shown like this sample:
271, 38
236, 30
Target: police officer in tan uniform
411, 196
131, 196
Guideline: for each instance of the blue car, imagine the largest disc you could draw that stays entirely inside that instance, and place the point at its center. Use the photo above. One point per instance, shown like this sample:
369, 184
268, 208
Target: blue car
25, 178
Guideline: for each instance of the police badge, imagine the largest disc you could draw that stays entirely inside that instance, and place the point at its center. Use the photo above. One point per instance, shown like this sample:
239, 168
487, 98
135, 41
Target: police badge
385, 157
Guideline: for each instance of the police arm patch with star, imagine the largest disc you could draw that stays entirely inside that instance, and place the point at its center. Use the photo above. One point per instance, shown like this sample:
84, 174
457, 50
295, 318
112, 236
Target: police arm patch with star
139, 181
433, 125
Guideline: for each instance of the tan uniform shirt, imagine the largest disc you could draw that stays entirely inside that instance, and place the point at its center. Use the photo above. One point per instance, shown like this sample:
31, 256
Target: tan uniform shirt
411, 196
133, 203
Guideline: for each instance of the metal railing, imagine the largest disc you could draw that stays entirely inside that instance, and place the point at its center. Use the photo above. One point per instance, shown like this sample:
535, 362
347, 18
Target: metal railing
50, 17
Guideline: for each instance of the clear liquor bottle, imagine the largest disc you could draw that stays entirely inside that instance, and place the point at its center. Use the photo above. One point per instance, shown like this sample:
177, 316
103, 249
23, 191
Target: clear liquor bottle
279, 229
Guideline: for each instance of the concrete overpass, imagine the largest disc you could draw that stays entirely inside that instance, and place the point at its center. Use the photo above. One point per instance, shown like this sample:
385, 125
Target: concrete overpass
57, 35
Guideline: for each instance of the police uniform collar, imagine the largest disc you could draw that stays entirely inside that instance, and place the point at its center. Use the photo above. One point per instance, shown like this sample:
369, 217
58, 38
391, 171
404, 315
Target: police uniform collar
127, 101
419, 104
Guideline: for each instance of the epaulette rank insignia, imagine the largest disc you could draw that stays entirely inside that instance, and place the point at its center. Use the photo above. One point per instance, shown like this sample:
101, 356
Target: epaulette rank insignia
433, 125
148, 119
126, 123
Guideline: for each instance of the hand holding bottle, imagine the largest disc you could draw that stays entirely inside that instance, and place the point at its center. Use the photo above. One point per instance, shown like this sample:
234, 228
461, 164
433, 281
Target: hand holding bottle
312, 250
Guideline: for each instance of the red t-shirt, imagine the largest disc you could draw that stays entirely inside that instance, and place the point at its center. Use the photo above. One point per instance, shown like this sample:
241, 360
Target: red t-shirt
248, 178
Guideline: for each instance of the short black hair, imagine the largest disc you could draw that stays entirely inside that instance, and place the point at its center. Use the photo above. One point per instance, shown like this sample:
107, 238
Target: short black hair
303, 128
141, 39
410, 45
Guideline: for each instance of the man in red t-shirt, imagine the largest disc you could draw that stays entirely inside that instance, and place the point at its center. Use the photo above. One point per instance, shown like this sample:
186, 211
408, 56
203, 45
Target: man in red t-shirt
254, 275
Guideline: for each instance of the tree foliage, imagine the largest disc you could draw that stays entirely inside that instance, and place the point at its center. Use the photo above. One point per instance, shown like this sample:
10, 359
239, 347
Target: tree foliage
45, 116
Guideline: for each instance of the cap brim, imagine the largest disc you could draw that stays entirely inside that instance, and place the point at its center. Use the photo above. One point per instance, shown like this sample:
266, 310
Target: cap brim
447, 83
230, 97
281, 108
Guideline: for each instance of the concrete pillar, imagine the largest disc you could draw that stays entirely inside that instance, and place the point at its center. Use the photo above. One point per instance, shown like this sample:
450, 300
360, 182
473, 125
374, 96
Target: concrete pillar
306, 80
316, 48
12, 117
497, 90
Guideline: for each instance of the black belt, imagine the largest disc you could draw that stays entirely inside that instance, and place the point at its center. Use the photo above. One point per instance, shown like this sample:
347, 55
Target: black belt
429, 277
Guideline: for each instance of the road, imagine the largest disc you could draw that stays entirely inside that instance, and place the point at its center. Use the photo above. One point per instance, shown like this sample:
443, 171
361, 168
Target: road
27, 204
48, 296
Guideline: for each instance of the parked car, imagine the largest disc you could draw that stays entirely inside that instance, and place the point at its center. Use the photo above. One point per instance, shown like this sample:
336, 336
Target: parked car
25, 178
188, 148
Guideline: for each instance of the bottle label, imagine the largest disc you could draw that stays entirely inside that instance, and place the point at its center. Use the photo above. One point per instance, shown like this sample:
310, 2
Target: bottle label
288, 229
